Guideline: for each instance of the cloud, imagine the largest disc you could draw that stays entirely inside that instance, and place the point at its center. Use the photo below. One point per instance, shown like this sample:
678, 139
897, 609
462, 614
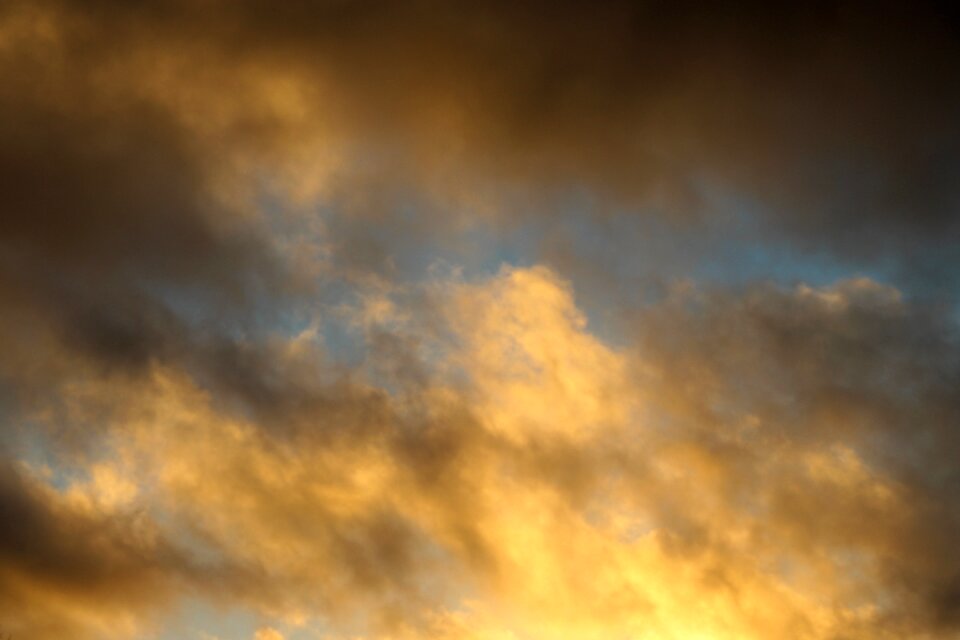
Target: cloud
267, 633
840, 394
774, 462
73, 568
832, 123
191, 201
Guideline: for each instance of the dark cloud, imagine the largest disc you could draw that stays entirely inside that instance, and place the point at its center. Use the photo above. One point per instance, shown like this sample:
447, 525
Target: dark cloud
114, 246
837, 119
834, 119
53, 552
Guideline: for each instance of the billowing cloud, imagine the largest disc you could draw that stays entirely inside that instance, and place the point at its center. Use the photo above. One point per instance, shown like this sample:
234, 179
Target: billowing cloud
730, 479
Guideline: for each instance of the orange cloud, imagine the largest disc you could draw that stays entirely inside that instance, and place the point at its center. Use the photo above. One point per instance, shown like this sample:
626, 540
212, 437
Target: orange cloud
662, 507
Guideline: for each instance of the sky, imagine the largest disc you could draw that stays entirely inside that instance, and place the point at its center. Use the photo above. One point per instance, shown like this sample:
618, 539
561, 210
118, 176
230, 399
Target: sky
479, 320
